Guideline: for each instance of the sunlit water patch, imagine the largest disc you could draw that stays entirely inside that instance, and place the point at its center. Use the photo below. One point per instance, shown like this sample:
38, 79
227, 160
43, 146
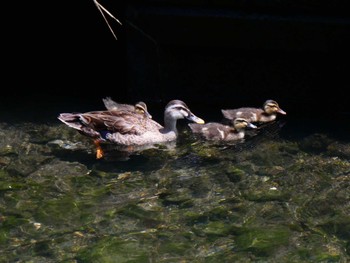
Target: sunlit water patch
281, 195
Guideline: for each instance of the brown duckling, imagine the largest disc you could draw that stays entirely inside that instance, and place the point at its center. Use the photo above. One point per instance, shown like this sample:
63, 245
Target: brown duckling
219, 132
127, 128
140, 107
265, 114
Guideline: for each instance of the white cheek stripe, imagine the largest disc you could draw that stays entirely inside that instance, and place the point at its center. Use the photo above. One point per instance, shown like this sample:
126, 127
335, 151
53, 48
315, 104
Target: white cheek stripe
222, 135
255, 117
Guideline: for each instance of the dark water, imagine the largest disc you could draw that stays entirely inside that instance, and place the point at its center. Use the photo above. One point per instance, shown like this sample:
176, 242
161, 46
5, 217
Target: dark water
280, 196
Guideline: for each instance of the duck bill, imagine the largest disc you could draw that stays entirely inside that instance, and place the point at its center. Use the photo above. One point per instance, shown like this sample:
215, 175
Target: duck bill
195, 119
149, 116
252, 126
282, 112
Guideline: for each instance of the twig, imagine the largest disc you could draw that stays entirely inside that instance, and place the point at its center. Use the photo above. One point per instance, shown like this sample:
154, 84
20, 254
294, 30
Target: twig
102, 10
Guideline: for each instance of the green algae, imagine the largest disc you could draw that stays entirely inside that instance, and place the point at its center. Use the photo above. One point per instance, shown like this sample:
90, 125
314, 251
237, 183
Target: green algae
114, 249
261, 201
263, 240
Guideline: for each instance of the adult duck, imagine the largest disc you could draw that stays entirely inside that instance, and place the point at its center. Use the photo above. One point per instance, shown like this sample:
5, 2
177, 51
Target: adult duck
128, 128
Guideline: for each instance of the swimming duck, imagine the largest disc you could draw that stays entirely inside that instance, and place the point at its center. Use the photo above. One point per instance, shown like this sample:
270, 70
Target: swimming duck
127, 128
215, 131
140, 107
267, 113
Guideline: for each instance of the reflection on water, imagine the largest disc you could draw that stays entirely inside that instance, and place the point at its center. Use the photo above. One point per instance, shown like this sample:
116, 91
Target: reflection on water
282, 195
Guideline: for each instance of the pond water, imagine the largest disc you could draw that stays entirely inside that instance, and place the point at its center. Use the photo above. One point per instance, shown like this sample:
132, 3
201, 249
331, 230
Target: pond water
282, 195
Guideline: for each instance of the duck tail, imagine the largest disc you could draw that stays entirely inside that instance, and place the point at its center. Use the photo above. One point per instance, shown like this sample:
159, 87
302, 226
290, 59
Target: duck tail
71, 120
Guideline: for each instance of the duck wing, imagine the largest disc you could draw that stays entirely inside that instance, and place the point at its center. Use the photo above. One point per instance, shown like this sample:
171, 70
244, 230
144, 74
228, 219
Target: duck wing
123, 122
250, 114
212, 131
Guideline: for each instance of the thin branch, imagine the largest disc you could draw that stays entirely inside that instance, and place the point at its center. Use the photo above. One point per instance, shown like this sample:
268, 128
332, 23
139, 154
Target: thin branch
102, 10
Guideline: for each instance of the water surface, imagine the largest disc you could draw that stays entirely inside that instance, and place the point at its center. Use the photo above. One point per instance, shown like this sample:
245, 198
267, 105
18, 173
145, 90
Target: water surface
280, 196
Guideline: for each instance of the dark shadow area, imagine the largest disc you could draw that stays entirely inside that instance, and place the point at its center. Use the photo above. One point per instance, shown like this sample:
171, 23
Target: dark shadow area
63, 57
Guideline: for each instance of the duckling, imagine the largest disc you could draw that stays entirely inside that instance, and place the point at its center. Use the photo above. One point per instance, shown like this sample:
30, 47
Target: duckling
127, 128
140, 107
215, 131
268, 112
